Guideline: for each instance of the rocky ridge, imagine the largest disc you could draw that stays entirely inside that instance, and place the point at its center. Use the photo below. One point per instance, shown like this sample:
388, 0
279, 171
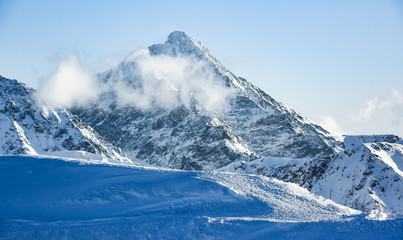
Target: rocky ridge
33, 128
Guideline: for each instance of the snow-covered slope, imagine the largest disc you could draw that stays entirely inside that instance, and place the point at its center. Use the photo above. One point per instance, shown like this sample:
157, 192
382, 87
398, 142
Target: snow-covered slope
31, 128
48, 198
185, 136
99, 191
365, 176
368, 174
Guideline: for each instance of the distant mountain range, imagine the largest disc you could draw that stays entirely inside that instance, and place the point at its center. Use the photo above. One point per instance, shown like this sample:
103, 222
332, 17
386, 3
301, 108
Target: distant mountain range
251, 133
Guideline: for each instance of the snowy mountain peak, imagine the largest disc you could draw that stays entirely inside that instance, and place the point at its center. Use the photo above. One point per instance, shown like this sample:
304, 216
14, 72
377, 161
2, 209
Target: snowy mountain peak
253, 124
178, 37
180, 43
12, 85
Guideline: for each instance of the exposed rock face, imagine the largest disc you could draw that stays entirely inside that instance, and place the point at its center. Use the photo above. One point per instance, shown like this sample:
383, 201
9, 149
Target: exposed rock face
180, 138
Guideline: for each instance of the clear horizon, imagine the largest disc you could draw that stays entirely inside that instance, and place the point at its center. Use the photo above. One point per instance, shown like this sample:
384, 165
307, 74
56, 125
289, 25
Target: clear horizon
337, 63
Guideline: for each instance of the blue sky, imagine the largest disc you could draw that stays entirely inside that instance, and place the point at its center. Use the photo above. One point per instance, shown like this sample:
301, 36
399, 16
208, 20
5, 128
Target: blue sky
339, 63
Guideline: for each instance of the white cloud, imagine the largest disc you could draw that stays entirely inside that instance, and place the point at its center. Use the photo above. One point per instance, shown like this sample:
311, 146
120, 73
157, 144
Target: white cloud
367, 110
331, 124
388, 110
379, 115
391, 107
167, 81
69, 86
156, 82
172, 80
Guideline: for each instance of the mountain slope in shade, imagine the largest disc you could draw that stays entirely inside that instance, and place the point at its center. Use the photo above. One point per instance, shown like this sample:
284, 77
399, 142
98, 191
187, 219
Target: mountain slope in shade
181, 138
185, 137
367, 175
31, 128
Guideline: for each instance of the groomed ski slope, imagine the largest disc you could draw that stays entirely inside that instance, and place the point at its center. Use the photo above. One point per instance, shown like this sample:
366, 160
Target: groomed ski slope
48, 198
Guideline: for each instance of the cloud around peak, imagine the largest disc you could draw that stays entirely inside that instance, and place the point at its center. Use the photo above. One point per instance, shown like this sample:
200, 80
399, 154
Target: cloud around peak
141, 81
70, 85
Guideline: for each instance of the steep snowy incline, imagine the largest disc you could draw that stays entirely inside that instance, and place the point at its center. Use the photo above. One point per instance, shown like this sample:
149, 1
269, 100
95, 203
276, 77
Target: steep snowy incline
32, 128
190, 135
366, 176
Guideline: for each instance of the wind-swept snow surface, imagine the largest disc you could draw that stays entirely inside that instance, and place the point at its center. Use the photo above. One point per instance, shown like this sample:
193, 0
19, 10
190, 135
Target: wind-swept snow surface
49, 198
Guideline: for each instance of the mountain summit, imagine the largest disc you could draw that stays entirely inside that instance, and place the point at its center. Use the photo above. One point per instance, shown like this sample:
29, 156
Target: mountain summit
180, 43
184, 137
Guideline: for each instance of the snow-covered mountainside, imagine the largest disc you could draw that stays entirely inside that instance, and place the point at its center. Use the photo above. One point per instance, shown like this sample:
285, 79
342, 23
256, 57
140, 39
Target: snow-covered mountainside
256, 133
98, 201
31, 128
367, 175
186, 137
